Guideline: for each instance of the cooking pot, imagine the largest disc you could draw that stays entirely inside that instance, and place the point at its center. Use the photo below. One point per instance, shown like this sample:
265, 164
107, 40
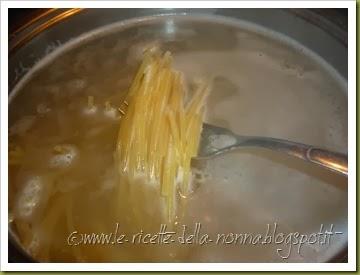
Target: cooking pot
277, 72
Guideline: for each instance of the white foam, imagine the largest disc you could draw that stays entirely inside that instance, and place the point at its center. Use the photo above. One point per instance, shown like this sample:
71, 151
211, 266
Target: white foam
111, 112
30, 197
90, 110
65, 158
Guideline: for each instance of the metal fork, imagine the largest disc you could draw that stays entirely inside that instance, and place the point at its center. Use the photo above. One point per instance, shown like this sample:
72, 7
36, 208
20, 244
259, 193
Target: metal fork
216, 140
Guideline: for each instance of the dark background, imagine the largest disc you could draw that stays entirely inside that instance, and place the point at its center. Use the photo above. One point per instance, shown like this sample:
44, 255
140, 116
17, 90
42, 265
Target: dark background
18, 16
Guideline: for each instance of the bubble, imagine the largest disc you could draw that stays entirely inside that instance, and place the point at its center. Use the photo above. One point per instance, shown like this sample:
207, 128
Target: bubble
64, 156
91, 107
110, 111
42, 109
11, 217
77, 84
29, 197
34, 245
22, 125
90, 110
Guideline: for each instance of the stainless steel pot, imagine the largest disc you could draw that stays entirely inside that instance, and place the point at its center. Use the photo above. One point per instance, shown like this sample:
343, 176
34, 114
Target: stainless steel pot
311, 29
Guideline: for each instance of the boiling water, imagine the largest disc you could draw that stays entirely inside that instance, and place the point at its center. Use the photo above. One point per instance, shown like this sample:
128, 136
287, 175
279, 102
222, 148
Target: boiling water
65, 181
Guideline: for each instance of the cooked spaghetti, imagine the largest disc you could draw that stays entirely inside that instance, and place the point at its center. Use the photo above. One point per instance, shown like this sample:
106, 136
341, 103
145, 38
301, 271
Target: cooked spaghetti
159, 133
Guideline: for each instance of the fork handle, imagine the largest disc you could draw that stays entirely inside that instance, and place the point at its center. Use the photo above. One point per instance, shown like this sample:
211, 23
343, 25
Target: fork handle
331, 160
334, 161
